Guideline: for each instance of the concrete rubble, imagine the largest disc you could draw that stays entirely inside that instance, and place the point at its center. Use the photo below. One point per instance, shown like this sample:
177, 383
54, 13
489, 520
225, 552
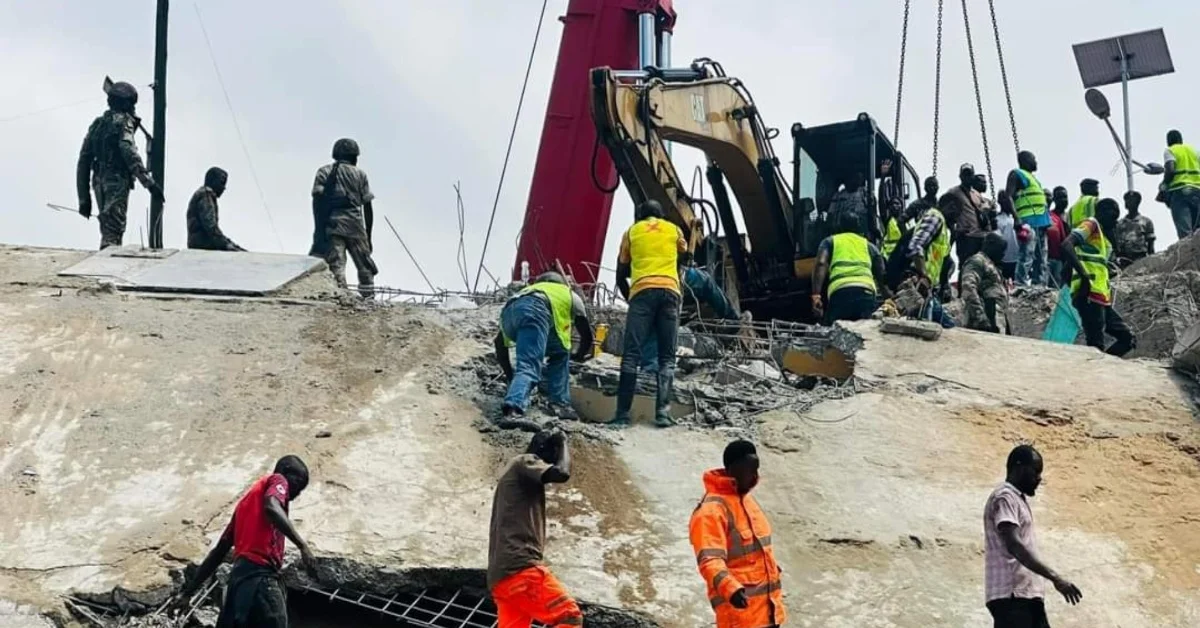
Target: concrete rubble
131, 422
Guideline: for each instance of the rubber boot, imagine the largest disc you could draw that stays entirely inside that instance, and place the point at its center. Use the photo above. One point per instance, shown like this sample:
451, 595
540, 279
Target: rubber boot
662, 398
626, 388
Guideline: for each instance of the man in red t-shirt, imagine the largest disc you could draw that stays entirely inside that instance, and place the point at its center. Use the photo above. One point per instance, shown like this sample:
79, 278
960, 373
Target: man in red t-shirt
255, 595
1056, 234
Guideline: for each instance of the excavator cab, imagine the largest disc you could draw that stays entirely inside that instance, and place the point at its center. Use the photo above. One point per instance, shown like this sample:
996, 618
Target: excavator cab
825, 156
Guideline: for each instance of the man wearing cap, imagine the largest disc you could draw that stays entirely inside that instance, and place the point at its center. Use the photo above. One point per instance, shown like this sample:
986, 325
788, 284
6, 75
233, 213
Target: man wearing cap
203, 219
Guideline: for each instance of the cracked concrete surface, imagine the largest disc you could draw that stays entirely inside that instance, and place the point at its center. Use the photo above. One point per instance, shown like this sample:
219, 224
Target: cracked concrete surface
142, 420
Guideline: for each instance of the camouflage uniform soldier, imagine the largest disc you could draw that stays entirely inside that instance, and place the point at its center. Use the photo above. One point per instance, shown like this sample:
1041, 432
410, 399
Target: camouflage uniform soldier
984, 293
342, 210
203, 218
110, 158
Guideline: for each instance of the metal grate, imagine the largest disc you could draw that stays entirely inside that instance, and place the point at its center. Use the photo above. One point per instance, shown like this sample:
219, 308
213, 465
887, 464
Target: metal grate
424, 610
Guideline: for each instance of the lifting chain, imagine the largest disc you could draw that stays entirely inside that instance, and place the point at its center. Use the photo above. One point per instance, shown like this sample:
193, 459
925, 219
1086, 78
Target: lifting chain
937, 87
1012, 119
987, 153
900, 82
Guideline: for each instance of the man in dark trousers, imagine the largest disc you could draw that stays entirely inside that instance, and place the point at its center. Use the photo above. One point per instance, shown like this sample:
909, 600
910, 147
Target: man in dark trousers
855, 272
255, 595
203, 215
109, 157
1088, 250
522, 587
1014, 590
1181, 184
649, 257
344, 217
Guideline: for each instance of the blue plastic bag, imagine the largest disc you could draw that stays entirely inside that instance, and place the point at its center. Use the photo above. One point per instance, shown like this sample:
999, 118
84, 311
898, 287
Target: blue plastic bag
1064, 324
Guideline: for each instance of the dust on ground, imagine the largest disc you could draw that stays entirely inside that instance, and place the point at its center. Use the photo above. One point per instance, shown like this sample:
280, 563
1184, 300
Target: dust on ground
1143, 489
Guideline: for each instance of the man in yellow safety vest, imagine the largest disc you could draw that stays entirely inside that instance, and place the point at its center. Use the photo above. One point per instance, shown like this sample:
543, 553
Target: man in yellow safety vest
649, 258
1087, 251
538, 321
854, 270
1026, 198
1181, 184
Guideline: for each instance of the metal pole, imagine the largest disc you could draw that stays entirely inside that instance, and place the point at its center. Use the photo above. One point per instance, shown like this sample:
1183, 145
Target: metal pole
1125, 95
664, 61
159, 142
647, 42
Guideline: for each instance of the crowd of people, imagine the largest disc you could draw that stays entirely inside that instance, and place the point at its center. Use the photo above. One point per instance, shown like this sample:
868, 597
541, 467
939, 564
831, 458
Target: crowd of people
1028, 235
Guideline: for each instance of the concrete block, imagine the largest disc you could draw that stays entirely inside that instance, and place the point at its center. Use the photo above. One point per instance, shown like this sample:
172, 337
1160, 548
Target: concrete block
924, 330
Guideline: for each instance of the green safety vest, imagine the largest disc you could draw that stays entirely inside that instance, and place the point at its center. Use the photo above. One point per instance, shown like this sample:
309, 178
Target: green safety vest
1187, 167
939, 249
1083, 209
892, 237
1031, 200
850, 263
1093, 255
560, 309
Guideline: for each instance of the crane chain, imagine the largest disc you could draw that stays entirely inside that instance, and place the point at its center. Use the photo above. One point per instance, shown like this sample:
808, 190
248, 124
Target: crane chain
987, 153
937, 88
1012, 118
900, 82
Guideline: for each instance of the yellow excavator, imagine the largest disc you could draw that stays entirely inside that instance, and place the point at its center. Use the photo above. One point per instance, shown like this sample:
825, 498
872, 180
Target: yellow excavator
767, 268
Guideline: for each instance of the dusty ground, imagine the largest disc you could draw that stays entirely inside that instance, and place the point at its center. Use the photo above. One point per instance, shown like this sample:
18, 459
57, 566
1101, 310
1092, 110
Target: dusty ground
129, 425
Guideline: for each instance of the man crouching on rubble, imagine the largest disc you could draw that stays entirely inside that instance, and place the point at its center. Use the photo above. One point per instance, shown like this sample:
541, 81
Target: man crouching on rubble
255, 597
548, 304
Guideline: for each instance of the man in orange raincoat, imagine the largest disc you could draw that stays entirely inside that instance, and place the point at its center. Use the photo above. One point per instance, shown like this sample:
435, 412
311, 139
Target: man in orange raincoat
732, 540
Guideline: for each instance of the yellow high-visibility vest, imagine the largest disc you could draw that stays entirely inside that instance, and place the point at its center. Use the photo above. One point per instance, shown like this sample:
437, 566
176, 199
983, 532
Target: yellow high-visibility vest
1187, 167
654, 250
559, 297
850, 263
1083, 209
1093, 255
1031, 200
935, 257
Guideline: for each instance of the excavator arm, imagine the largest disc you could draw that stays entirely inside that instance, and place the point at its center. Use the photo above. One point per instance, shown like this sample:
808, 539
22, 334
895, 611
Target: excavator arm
636, 113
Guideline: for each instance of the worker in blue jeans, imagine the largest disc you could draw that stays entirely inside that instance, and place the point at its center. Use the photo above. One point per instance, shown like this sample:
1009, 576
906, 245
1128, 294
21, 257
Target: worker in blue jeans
649, 258
527, 322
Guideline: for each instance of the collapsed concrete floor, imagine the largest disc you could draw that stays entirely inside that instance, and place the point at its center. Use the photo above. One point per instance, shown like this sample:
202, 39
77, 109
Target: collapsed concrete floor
130, 424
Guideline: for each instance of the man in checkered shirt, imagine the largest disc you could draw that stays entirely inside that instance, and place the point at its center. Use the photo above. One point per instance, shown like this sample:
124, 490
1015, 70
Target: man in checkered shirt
1015, 593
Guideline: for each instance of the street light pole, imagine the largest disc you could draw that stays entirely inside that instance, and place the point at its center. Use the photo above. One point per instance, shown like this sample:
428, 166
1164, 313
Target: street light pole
1125, 95
159, 141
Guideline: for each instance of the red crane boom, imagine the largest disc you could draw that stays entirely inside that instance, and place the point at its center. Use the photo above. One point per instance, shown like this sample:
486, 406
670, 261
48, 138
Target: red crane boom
566, 218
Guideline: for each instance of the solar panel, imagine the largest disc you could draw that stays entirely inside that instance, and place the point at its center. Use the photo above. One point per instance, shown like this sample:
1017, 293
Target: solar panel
1100, 61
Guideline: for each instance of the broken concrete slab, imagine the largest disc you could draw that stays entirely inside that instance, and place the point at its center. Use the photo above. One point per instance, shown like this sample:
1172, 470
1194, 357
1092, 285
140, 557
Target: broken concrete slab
924, 330
596, 407
195, 271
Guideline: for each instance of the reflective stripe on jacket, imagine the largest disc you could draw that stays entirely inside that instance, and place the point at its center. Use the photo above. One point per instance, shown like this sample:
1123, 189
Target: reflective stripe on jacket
654, 249
559, 298
1093, 255
939, 248
850, 263
1083, 209
1187, 167
1031, 199
732, 540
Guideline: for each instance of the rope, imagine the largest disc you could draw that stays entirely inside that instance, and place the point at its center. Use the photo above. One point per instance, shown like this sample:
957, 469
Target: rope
900, 82
937, 87
1012, 119
410, 255
232, 114
461, 258
987, 153
512, 136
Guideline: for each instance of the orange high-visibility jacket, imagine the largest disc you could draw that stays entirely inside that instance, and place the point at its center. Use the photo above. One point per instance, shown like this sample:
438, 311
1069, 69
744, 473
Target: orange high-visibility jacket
732, 540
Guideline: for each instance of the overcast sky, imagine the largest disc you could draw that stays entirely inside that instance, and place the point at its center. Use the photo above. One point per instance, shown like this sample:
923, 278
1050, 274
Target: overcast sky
429, 89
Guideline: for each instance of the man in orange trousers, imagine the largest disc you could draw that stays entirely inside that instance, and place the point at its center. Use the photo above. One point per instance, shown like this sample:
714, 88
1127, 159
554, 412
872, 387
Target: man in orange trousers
523, 589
